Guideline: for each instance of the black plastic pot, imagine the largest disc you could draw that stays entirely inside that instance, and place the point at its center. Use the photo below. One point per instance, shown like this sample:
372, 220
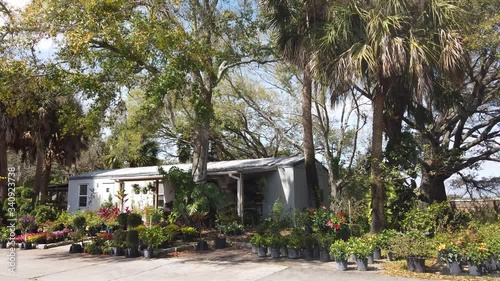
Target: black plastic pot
117, 251
262, 252
324, 256
132, 252
220, 243
75, 248
293, 253
275, 253
202, 245
415, 264
148, 253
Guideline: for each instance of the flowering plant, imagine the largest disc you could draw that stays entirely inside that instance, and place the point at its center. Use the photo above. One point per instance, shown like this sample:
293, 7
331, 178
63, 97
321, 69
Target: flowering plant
35, 237
452, 251
26, 222
337, 222
477, 253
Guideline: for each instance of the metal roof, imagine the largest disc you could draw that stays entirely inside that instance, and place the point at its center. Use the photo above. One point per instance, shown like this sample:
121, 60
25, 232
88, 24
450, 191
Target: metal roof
236, 166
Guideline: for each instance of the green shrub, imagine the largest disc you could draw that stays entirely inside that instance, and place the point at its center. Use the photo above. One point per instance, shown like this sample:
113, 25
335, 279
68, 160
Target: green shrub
79, 222
259, 241
122, 220
119, 237
132, 238
359, 247
171, 232
153, 236
44, 213
134, 220
411, 245
339, 250
188, 232
296, 240
276, 241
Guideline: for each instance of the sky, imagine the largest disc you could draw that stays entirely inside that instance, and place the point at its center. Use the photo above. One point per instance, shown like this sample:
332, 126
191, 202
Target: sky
47, 48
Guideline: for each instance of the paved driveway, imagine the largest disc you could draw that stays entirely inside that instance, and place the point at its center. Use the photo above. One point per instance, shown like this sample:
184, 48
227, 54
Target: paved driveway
221, 265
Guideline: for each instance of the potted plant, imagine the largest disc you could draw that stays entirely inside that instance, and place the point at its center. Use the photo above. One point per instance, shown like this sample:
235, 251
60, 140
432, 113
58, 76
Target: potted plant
153, 237
132, 242
295, 244
452, 253
119, 237
136, 188
284, 248
339, 252
79, 224
26, 223
386, 240
477, 254
309, 244
261, 242
360, 249
324, 241
414, 247
493, 242
275, 243
254, 241
376, 242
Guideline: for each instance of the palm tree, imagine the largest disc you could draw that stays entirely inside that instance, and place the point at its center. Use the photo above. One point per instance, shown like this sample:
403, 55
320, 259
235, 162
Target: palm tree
296, 24
396, 45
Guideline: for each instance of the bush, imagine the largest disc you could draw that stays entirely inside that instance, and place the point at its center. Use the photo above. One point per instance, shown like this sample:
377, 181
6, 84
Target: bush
411, 245
134, 220
339, 250
296, 240
171, 232
44, 213
359, 247
122, 220
153, 236
259, 241
189, 232
276, 241
119, 237
79, 222
477, 253
132, 238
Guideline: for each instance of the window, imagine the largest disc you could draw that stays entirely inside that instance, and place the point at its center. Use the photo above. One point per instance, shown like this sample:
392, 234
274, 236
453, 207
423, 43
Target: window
82, 198
161, 201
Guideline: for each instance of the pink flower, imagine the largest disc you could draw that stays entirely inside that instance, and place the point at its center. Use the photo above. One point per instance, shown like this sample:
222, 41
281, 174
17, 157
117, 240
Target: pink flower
329, 224
323, 207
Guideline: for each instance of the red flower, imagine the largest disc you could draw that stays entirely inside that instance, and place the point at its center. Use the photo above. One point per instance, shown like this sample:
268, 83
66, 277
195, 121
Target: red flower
337, 226
339, 215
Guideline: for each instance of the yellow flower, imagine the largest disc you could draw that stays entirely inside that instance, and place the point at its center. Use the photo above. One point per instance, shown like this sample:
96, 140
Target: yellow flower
442, 247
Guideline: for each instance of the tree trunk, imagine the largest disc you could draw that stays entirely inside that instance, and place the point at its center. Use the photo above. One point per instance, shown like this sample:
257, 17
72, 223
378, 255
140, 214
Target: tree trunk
200, 148
3, 170
377, 186
432, 186
40, 157
44, 185
310, 160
